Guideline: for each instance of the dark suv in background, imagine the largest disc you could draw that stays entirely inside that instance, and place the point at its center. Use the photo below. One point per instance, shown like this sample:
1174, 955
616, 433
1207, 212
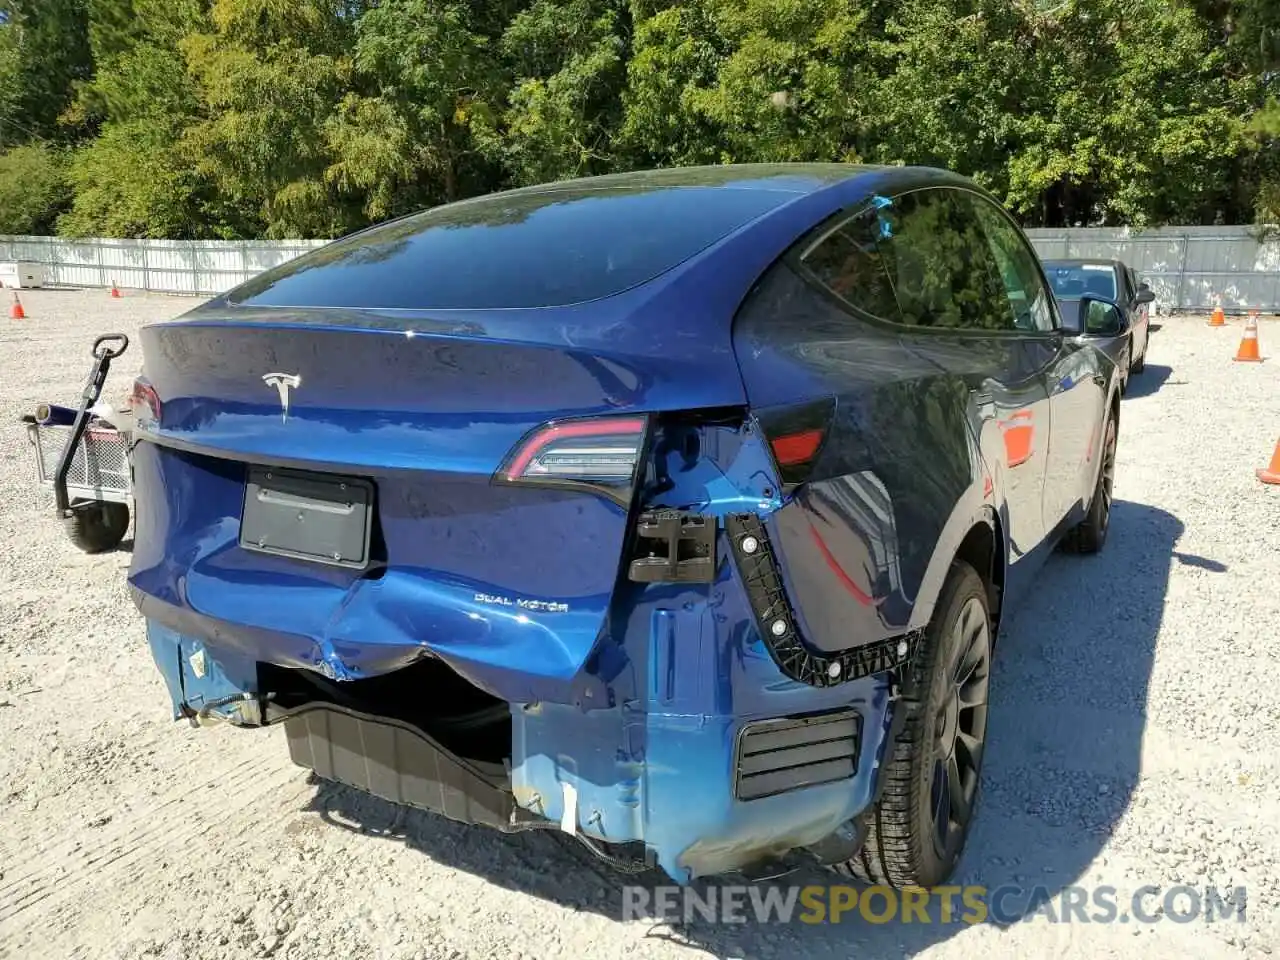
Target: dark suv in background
1123, 333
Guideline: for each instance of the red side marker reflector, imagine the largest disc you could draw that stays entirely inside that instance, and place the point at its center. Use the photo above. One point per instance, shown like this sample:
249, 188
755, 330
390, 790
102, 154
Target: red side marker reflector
796, 448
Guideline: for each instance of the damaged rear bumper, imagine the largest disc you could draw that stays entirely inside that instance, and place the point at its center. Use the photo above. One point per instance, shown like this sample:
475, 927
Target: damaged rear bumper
706, 792
401, 764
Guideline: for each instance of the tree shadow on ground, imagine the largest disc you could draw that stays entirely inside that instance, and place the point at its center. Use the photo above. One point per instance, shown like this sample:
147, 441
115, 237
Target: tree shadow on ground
1063, 759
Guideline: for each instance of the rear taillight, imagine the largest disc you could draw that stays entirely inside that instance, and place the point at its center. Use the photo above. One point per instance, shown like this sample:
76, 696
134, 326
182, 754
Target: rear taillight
145, 404
796, 434
601, 452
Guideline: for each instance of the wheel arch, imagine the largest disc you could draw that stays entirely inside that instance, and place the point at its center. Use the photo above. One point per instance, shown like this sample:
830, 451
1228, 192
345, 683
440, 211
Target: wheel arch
983, 549
1113, 412
974, 534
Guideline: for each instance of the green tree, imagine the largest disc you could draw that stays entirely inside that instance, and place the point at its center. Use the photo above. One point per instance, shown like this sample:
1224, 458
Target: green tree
44, 52
955, 84
11, 82
425, 72
130, 182
568, 62
137, 178
270, 76
33, 189
719, 80
315, 117
676, 56
1256, 42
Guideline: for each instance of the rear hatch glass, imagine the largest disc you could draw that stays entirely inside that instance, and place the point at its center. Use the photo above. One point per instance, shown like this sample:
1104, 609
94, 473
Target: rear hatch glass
550, 247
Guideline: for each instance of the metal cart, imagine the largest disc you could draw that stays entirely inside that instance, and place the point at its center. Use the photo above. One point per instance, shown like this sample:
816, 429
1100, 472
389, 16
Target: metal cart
83, 455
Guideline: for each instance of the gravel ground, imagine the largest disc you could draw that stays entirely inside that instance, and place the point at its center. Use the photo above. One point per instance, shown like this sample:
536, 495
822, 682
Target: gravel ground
1135, 734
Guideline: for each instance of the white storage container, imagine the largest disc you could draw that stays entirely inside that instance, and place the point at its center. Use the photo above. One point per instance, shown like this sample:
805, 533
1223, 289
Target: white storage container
21, 274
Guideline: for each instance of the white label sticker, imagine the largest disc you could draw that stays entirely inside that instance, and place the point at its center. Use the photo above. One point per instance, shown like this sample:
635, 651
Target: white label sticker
569, 817
197, 664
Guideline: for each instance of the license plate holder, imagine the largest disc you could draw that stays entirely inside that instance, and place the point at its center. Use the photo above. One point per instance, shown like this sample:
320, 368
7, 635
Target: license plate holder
307, 516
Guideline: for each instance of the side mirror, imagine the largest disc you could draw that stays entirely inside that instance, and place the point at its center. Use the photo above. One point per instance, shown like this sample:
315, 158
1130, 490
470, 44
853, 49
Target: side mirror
1102, 318
1091, 316
1144, 295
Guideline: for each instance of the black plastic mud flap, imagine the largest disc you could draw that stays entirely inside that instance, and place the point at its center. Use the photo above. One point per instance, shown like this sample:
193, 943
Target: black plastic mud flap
398, 763
674, 547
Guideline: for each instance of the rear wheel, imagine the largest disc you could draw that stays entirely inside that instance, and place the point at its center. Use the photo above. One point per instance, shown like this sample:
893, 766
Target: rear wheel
97, 525
1090, 535
918, 828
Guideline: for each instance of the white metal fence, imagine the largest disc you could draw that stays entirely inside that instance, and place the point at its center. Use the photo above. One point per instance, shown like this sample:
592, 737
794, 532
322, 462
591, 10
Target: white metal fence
167, 266
1189, 268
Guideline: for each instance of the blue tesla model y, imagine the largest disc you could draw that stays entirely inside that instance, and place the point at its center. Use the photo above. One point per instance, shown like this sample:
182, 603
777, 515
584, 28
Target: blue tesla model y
675, 510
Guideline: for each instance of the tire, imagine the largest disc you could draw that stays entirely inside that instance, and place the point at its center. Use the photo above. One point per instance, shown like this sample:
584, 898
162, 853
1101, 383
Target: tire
1141, 363
97, 525
1090, 535
939, 746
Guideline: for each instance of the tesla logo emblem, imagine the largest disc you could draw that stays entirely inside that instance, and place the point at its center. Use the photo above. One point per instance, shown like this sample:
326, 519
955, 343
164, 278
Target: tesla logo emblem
283, 382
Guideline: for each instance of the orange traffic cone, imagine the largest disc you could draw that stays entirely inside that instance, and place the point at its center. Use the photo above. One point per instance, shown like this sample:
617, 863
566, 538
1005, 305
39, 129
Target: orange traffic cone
1249, 343
16, 312
1218, 319
1271, 473
115, 291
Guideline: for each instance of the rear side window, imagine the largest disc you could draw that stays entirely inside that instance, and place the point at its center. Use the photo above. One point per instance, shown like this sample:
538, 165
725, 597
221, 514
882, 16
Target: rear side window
854, 262
925, 248
528, 249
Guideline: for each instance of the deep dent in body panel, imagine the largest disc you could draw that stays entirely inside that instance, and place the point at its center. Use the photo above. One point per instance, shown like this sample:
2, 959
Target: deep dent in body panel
659, 766
642, 745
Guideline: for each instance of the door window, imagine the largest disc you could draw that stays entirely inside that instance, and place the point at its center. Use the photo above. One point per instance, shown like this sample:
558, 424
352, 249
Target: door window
1032, 304
921, 259
1132, 292
1124, 287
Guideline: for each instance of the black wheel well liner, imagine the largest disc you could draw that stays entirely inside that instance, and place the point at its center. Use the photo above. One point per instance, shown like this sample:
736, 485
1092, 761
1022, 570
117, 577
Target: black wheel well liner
983, 549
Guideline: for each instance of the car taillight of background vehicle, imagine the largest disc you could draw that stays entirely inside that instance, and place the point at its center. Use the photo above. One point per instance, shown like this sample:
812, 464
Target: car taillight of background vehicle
600, 452
146, 405
796, 434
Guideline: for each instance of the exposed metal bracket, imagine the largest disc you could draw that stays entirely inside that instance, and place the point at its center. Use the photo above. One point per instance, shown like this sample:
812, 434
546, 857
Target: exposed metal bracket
780, 629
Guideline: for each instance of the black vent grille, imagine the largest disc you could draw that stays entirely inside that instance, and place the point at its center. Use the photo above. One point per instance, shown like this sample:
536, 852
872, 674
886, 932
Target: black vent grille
776, 619
775, 756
